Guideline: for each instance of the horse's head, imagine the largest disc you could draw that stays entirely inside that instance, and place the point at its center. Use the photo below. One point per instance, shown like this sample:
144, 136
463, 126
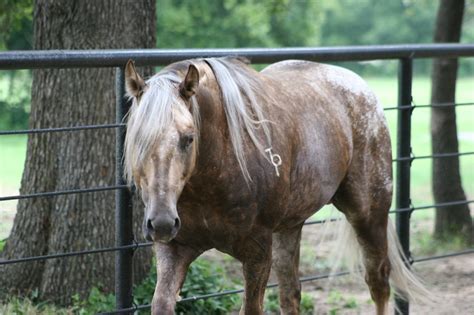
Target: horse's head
161, 145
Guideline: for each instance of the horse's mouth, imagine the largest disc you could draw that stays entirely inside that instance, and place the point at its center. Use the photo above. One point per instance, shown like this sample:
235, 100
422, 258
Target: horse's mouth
165, 239
156, 237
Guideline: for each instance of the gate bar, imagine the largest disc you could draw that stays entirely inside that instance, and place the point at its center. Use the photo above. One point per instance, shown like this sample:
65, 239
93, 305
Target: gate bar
10, 60
402, 198
123, 205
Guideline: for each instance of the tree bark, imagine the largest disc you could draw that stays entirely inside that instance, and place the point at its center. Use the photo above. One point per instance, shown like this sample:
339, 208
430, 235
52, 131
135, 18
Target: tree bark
61, 161
450, 220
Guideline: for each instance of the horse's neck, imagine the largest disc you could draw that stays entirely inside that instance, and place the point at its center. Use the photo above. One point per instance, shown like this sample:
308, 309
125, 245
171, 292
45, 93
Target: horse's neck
213, 130
216, 157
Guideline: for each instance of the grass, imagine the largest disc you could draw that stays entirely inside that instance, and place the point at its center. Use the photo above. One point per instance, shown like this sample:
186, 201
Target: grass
203, 277
424, 245
272, 303
27, 306
339, 302
12, 160
386, 89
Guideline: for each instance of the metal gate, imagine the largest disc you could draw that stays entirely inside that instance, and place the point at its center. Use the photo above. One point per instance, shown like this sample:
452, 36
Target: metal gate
125, 243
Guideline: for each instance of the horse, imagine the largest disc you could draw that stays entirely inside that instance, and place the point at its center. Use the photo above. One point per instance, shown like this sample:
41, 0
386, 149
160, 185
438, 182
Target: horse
232, 159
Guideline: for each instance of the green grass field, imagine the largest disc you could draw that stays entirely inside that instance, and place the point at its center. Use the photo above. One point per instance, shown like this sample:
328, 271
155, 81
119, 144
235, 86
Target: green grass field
386, 88
13, 148
12, 160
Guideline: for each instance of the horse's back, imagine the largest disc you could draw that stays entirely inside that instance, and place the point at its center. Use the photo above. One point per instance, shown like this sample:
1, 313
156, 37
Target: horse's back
335, 90
327, 80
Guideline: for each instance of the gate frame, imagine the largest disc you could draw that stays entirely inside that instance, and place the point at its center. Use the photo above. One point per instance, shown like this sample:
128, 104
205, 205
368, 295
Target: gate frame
125, 243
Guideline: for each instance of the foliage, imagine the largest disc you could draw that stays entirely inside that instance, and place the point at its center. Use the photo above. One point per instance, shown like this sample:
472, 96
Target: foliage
2, 244
268, 23
306, 304
203, 277
285, 23
252, 23
271, 303
424, 244
272, 23
339, 301
371, 22
15, 99
19, 306
96, 302
236, 23
272, 306
16, 16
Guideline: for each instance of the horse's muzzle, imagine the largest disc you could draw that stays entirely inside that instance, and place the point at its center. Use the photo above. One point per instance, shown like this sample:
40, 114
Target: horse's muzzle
161, 228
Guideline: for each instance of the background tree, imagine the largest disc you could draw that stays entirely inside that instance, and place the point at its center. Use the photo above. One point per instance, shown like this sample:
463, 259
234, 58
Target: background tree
237, 23
59, 161
252, 23
447, 186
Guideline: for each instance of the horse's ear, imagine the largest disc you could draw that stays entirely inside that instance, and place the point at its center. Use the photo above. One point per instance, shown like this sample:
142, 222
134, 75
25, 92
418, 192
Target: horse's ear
134, 84
189, 86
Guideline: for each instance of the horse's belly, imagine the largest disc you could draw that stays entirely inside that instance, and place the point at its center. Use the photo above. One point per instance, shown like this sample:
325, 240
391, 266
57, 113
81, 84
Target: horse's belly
318, 171
306, 200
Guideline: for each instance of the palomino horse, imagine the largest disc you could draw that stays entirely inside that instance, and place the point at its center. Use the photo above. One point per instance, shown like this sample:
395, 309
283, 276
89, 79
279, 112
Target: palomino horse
229, 158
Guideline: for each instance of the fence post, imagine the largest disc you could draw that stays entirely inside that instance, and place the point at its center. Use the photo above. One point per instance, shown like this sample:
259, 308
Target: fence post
403, 200
123, 206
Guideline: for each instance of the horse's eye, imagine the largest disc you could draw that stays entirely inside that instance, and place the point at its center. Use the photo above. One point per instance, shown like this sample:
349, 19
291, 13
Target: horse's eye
186, 141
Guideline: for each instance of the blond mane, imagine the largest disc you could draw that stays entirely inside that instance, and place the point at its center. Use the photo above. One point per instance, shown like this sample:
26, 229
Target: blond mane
147, 121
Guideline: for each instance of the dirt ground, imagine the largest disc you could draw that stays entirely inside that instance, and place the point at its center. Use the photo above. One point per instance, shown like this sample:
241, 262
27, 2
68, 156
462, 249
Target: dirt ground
450, 279
7, 212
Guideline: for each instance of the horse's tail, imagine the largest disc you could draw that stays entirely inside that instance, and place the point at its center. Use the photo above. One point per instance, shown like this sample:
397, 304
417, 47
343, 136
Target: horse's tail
403, 281
406, 285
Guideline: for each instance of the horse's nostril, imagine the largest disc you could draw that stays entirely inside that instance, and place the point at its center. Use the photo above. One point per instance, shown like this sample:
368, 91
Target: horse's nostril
149, 225
177, 223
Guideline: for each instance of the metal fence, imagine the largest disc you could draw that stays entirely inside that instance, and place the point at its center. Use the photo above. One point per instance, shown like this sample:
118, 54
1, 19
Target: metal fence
126, 245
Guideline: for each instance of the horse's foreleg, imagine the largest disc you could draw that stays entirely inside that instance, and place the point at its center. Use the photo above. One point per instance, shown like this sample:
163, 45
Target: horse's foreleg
256, 277
172, 262
286, 253
256, 260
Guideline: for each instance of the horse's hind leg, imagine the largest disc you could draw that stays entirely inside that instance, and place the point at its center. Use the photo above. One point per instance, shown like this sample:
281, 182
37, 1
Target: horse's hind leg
365, 200
372, 237
286, 253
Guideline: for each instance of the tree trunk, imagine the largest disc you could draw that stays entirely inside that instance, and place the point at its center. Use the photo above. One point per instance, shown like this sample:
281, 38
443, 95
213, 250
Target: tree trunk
450, 220
61, 161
